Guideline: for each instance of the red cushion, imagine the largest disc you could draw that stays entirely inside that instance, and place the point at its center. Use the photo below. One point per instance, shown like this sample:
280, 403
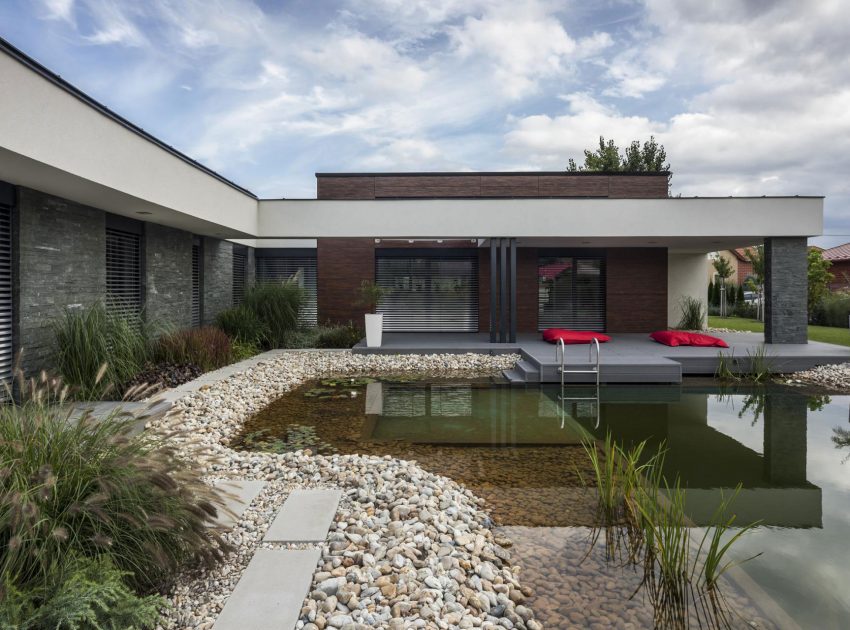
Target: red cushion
684, 338
573, 336
671, 337
698, 339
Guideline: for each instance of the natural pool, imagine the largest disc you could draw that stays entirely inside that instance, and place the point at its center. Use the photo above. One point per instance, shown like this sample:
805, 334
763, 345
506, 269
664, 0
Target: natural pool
520, 449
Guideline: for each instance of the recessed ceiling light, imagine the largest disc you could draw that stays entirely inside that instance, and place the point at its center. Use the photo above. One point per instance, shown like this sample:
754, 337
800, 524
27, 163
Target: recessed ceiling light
144, 212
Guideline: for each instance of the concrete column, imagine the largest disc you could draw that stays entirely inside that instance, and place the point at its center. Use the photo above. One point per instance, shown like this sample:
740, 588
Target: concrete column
686, 277
785, 289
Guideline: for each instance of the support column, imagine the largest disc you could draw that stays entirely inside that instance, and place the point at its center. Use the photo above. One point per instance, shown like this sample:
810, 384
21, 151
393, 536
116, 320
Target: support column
785, 288
494, 289
503, 306
503, 292
785, 439
512, 335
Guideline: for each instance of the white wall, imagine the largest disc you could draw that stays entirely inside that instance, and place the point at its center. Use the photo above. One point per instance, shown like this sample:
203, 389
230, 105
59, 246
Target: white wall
46, 130
685, 276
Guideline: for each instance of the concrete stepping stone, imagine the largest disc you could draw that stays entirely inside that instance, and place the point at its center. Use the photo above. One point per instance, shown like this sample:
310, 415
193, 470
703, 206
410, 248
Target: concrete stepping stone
243, 492
305, 516
270, 592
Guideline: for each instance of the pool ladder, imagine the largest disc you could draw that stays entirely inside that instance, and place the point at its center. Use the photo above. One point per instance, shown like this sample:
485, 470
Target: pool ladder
560, 358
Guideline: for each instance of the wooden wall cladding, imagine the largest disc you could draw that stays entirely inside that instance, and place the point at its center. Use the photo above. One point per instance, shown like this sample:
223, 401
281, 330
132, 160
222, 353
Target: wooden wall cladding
343, 263
439, 186
636, 289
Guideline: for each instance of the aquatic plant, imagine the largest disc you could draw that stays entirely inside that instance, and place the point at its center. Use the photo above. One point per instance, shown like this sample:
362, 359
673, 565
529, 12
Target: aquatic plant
693, 313
759, 364
724, 371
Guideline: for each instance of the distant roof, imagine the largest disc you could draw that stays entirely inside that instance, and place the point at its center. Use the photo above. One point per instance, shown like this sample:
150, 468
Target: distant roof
839, 252
58, 81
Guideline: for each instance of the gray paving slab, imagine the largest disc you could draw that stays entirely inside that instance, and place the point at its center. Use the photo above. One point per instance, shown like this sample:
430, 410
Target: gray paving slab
270, 592
239, 495
305, 516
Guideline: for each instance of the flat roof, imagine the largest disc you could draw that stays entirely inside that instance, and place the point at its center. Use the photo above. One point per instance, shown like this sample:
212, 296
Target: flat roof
57, 80
499, 173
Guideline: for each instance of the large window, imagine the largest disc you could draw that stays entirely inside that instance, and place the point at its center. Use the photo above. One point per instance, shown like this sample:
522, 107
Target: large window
433, 292
196, 282
6, 313
239, 269
571, 292
124, 272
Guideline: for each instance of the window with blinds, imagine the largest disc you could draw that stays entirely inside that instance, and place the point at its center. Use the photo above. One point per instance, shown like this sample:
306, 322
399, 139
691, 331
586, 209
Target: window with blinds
428, 293
123, 272
6, 305
196, 285
571, 293
239, 270
299, 269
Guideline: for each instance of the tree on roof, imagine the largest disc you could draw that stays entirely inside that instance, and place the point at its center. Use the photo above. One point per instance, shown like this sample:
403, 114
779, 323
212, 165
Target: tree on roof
649, 158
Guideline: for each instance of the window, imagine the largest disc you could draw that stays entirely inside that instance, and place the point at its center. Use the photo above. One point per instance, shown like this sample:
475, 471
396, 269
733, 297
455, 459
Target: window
571, 293
123, 272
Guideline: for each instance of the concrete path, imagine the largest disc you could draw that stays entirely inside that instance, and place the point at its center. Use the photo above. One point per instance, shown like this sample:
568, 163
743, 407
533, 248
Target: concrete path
276, 581
270, 593
242, 492
305, 516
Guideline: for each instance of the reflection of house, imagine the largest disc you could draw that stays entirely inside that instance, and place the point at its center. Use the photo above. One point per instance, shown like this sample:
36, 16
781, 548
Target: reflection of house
742, 268
839, 256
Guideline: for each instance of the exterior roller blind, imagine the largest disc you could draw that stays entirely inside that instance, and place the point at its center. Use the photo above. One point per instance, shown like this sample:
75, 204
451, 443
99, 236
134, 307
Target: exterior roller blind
429, 293
6, 305
123, 272
239, 264
299, 269
571, 293
196, 285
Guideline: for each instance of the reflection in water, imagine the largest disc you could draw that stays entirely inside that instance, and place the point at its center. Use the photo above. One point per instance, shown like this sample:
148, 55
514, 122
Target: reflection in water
508, 445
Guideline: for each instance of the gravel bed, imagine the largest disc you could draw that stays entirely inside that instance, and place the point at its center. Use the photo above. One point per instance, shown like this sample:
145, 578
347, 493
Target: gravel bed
830, 376
409, 549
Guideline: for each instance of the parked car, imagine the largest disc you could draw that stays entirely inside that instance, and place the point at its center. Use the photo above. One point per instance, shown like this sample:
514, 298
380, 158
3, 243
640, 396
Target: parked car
751, 297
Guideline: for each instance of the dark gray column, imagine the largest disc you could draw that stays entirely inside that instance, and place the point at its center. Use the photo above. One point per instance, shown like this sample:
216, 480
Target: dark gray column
503, 292
512, 336
785, 439
494, 289
785, 288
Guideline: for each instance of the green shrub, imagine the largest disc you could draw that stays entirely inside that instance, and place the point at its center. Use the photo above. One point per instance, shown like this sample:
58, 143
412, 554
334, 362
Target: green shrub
833, 310
242, 324
84, 593
207, 347
241, 351
73, 486
693, 313
302, 338
98, 351
276, 305
342, 336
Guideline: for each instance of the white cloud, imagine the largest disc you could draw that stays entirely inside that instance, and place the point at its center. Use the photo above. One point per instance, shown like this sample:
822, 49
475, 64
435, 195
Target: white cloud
59, 10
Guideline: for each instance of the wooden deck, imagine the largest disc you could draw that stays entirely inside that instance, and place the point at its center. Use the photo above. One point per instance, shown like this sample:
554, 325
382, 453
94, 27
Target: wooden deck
627, 358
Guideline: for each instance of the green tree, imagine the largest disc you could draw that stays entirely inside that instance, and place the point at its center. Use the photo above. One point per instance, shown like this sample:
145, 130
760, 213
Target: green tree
723, 269
755, 255
711, 292
819, 278
649, 157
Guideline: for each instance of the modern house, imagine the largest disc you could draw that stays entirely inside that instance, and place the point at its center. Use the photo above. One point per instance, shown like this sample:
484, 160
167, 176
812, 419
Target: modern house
742, 268
93, 206
839, 256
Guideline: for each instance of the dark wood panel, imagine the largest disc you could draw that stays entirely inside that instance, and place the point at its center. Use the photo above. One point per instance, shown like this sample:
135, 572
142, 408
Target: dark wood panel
343, 263
509, 185
574, 186
345, 187
484, 289
638, 186
428, 186
636, 289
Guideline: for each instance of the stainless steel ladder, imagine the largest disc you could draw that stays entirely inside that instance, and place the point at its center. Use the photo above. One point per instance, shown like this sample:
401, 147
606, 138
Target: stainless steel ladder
560, 358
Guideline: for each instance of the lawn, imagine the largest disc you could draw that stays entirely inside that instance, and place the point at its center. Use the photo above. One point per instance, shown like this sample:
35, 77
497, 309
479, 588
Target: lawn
827, 334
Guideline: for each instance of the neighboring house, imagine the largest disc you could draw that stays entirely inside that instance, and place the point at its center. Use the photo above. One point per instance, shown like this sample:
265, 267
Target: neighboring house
839, 256
94, 208
742, 268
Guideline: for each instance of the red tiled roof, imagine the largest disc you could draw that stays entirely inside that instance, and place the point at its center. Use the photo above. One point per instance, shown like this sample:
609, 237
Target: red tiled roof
839, 252
740, 253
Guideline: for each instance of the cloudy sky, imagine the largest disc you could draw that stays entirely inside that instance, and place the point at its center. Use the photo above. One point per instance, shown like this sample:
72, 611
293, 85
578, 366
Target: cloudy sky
749, 97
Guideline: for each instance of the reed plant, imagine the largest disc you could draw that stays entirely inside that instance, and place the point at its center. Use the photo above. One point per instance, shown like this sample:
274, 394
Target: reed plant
98, 350
759, 364
724, 371
276, 305
242, 324
693, 313
73, 485
207, 347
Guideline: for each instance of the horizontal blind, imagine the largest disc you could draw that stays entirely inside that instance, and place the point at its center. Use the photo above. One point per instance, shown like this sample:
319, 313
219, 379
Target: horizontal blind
571, 293
123, 272
196, 285
6, 305
239, 264
299, 269
428, 293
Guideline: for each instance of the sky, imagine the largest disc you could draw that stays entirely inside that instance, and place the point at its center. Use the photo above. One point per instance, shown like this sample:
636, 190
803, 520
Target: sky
748, 98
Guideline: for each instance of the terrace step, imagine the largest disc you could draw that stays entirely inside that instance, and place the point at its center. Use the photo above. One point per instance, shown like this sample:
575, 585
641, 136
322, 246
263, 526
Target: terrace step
528, 370
514, 376
305, 516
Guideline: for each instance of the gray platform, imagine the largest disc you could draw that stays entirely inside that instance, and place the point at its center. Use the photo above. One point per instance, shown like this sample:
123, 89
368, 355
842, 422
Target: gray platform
305, 516
627, 358
271, 590
241, 492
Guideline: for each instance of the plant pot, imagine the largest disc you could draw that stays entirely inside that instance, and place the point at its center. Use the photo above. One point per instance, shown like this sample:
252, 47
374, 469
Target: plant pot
374, 329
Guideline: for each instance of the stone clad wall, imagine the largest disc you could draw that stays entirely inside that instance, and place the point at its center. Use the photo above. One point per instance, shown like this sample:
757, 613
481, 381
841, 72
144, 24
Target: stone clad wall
786, 290
218, 277
168, 275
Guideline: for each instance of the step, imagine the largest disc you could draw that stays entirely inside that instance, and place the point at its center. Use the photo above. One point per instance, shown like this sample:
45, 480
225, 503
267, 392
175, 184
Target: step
529, 370
270, 592
656, 371
305, 516
514, 376
239, 495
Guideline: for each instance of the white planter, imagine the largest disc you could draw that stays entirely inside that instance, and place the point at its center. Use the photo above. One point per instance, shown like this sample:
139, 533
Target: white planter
374, 328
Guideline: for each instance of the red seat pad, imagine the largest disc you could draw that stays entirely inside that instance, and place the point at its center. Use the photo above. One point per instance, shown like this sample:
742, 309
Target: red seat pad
671, 337
699, 339
573, 336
